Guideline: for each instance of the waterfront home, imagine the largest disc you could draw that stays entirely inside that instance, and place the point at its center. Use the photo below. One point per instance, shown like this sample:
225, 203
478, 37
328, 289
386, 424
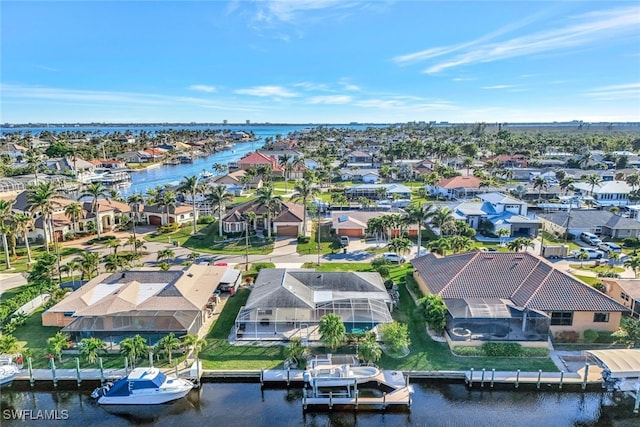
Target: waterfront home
136, 157
607, 193
513, 296
626, 292
235, 178
256, 160
600, 222
13, 150
286, 221
162, 215
109, 164
360, 157
378, 191
458, 187
503, 212
70, 164
151, 303
368, 176
290, 302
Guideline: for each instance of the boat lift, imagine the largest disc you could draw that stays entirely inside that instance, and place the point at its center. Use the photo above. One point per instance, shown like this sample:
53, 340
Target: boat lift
621, 371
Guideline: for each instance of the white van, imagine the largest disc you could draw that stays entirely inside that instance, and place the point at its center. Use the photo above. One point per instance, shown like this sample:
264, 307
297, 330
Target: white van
590, 238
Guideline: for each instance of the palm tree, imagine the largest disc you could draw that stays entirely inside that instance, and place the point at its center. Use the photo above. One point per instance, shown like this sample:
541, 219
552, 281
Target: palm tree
166, 200
133, 347
566, 184
95, 190
57, 343
218, 199
633, 180
593, 180
193, 343
33, 162
440, 246
502, 233
218, 168
270, 201
190, 185
460, 243
89, 262
441, 217
5, 214
169, 343
91, 348
368, 349
304, 190
400, 245
284, 162
112, 263
73, 211
39, 199
135, 201
519, 244
113, 244
583, 256
541, 184
634, 264
70, 268
419, 213
24, 223
332, 330
167, 254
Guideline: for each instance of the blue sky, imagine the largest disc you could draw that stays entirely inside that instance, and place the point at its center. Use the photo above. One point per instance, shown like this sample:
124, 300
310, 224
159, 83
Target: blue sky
320, 61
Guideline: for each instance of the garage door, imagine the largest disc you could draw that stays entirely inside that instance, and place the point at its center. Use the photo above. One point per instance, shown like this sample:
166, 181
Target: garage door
287, 230
351, 232
155, 220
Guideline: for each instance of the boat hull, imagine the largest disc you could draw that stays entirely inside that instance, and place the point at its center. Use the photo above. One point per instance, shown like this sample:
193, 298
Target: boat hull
146, 398
7, 374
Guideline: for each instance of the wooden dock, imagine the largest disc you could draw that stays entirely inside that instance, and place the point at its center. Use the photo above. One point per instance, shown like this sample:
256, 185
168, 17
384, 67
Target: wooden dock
588, 375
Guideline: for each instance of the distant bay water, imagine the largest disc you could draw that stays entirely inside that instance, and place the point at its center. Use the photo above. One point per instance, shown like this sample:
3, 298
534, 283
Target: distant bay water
141, 181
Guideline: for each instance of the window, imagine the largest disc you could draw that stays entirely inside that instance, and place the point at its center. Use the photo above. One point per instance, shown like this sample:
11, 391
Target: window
68, 313
264, 312
624, 296
600, 317
562, 318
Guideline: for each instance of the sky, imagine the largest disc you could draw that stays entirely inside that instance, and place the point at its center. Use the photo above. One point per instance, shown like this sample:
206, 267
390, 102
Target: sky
319, 61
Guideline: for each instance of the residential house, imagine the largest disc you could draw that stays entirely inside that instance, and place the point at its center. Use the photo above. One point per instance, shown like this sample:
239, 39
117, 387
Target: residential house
360, 157
162, 215
109, 164
607, 193
14, 150
626, 292
509, 160
291, 302
354, 223
378, 191
287, 220
368, 176
600, 222
502, 211
256, 160
507, 296
235, 178
458, 187
75, 165
150, 303
136, 157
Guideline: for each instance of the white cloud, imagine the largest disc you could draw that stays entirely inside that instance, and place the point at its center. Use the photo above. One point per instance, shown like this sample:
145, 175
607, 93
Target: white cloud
290, 10
347, 85
463, 79
276, 91
584, 30
499, 87
202, 88
616, 92
330, 99
311, 86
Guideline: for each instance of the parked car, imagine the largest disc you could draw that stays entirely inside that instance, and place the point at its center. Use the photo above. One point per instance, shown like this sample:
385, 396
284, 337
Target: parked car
609, 247
344, 241
590, 238
593, 253
393, 258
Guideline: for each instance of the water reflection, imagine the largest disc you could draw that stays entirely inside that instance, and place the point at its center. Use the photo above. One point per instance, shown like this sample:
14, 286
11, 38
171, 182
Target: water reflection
147, 414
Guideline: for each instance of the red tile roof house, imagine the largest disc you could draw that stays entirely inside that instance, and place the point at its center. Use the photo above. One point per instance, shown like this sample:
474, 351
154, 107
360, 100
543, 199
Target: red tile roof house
354, 224
255, 160
159, 215
287, 221
456, 187
515, 297
510, 161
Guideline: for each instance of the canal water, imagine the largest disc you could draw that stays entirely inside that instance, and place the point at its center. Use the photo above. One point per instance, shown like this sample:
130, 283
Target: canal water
248, 405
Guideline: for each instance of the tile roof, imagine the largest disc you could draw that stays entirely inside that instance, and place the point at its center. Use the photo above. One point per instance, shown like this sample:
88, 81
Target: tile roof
587, 218
460, 182
527, 280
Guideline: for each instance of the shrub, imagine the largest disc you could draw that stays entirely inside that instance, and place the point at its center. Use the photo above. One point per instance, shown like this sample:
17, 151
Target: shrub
600, 286
567, 336
102, 239
383, 270
497, 349
257, 266
434, 311
606, 274
395, 336
590, 335
631, 242
468, 351
303, 239
169, 228
206, 219
380, 261
388, 284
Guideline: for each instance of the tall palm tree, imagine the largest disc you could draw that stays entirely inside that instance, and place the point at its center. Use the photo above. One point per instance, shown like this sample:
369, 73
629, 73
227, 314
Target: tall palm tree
441, 217
57, 343
593, 180
460, 243
332, 330
24, 223
91, 348
189, 185
218, 198
133, 347
304, 190
166, 200
73, 211
165, 254
70, 268
39, 199
633, 263
285, 162
169, 343
566, 183
135, 201
33, 162
400, 245
5, 215
96, 190
541, 184
89, 263
419, 213
270, 201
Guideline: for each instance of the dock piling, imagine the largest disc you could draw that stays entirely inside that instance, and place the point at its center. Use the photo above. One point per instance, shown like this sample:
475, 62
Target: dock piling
482, 378
101, 370
539, 377
356, 393
261, 376
304, 398
636, 406
471, 377
384, 400
53, 372
330, 400
78, 378
288, 376
30, 367
493, 376
586, 375
517, 378
561, 378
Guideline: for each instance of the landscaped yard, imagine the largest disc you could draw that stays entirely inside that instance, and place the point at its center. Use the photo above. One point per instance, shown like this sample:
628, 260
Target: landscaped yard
19, 264
591, 266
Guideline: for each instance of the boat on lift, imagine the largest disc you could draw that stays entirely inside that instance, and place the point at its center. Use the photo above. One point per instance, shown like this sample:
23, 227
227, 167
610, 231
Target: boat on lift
339, 375
143, 386
8, 369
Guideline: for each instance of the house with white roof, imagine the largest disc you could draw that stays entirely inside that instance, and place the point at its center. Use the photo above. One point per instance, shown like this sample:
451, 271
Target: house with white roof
607, 193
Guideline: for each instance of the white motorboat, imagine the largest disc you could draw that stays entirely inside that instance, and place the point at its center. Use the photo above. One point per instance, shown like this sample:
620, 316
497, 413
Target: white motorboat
339, 375
143, 386
8, 370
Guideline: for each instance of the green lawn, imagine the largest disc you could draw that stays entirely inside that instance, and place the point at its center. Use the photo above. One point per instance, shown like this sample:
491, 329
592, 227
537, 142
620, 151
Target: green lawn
587, 279
208, 241
19, 264
551, 239
596, 268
